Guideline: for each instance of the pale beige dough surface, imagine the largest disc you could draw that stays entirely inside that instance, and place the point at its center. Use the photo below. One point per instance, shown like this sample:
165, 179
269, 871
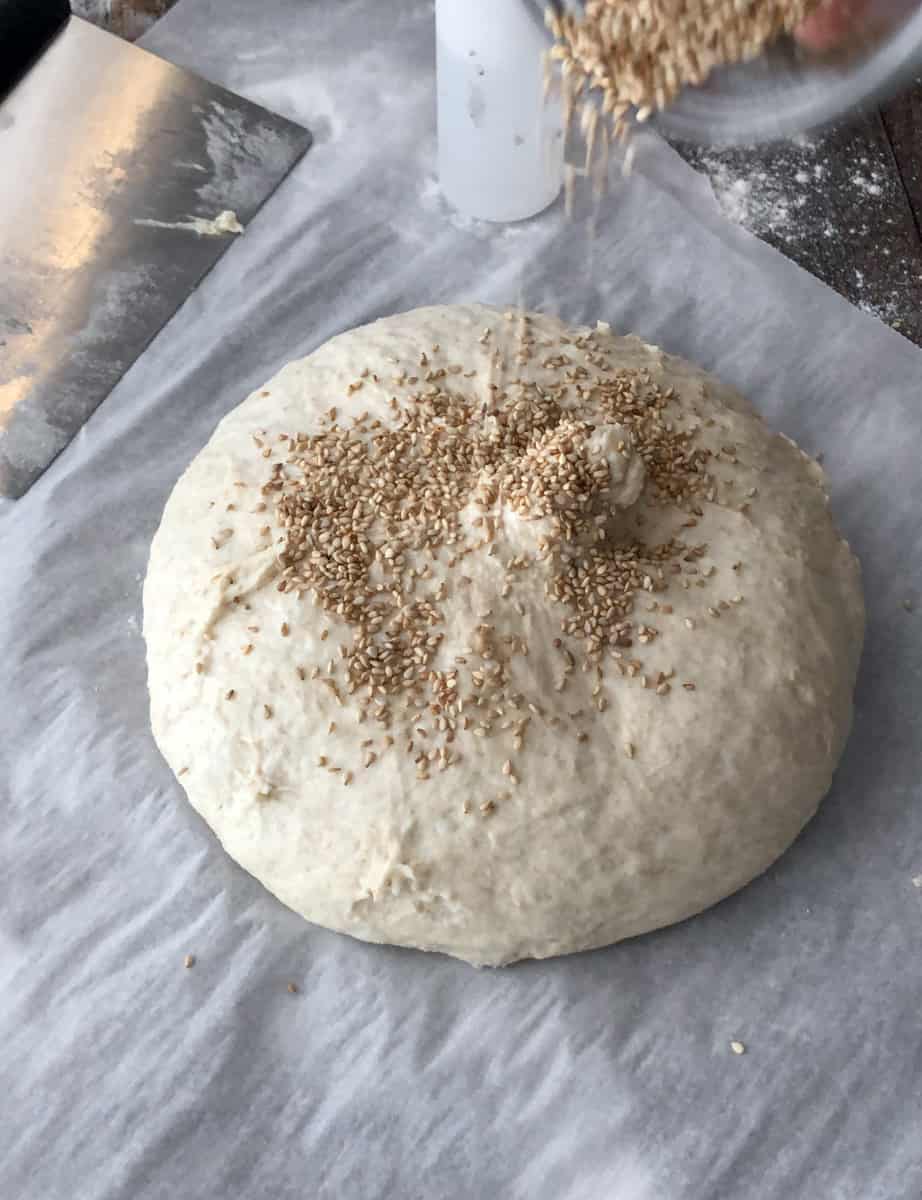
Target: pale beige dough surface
626, 805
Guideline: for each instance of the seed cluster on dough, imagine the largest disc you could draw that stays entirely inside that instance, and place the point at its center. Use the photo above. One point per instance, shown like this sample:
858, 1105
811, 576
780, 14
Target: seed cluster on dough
374, 521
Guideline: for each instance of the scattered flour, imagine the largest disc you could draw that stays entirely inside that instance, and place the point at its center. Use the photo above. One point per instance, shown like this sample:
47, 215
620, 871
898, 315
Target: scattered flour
797, 197
869, 186
890, 311
769, 201
760, 203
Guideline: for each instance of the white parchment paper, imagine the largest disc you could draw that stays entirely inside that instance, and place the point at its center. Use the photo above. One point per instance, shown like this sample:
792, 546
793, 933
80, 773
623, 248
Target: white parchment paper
606, 1076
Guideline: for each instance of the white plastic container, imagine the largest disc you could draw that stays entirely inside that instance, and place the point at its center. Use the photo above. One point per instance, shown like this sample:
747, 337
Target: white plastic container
500, 144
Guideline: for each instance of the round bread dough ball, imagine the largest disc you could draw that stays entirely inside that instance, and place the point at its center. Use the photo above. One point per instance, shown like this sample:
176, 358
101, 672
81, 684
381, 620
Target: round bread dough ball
479, 633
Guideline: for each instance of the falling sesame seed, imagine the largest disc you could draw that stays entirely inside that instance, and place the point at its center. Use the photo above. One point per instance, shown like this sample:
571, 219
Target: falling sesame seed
738, 1047
629, 749
189, 961
230, 694
292, 988
285, 630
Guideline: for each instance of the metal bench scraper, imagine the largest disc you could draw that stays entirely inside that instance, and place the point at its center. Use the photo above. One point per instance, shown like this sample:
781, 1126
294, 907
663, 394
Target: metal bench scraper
114, 165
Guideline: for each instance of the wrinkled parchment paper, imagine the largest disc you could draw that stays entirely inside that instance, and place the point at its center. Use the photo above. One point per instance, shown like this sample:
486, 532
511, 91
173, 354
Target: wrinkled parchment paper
392, 1074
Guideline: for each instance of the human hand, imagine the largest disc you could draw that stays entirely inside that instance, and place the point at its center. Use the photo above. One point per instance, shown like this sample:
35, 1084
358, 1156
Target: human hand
834, 24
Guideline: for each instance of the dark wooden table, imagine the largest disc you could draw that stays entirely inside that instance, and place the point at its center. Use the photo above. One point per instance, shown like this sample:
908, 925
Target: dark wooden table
845, 202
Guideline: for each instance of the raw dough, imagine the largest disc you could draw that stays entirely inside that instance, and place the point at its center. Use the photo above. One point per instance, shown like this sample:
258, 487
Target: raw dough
528, 788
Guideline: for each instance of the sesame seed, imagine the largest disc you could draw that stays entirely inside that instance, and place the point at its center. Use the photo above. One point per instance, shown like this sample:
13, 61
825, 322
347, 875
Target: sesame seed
189, 961
738, 1047
355, 508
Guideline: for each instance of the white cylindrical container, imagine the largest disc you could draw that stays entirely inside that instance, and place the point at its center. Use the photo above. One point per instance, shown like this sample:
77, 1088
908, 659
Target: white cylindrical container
500, 142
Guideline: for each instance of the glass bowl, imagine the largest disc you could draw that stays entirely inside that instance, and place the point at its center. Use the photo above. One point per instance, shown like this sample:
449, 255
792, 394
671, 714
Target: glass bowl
789, 90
